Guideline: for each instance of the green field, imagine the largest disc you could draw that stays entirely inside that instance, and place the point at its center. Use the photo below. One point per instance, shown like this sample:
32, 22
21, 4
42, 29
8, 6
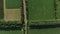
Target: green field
41, 10
45, 31
12, 4
11, 32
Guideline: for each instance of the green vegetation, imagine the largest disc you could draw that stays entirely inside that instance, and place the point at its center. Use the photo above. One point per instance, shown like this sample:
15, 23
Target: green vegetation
58, 10
1, 14
45, 31
10, 22
11, 32
41, 10
10, 25
12, 4
1, 10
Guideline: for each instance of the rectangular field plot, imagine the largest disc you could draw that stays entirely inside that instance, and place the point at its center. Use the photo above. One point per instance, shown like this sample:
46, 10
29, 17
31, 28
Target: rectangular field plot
11, 32
41, 10
44, 31
13, 10
13, 15
12, 4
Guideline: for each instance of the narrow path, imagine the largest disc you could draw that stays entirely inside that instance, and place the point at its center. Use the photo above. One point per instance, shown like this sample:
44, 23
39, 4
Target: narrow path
25, 16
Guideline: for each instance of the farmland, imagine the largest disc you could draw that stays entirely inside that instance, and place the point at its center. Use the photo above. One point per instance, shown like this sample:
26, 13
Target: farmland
12, 4
11, 32
12, 15
44, 31
41, 10
12, 10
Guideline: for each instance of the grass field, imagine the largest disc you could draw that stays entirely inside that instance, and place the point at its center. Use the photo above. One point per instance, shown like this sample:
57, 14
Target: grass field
45, 31
11, 32
41, 10
12, 4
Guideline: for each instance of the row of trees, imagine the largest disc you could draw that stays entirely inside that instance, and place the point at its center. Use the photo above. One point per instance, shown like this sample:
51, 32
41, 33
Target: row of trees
10, 25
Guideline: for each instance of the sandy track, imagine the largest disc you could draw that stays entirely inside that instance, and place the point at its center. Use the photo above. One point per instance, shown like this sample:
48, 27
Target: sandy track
25, 16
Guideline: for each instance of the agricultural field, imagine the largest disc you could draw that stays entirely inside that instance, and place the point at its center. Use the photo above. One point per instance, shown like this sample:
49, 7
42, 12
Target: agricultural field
44, 31
10, 17
44, 12
13, 4
13, 10
41, 10
11, 32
